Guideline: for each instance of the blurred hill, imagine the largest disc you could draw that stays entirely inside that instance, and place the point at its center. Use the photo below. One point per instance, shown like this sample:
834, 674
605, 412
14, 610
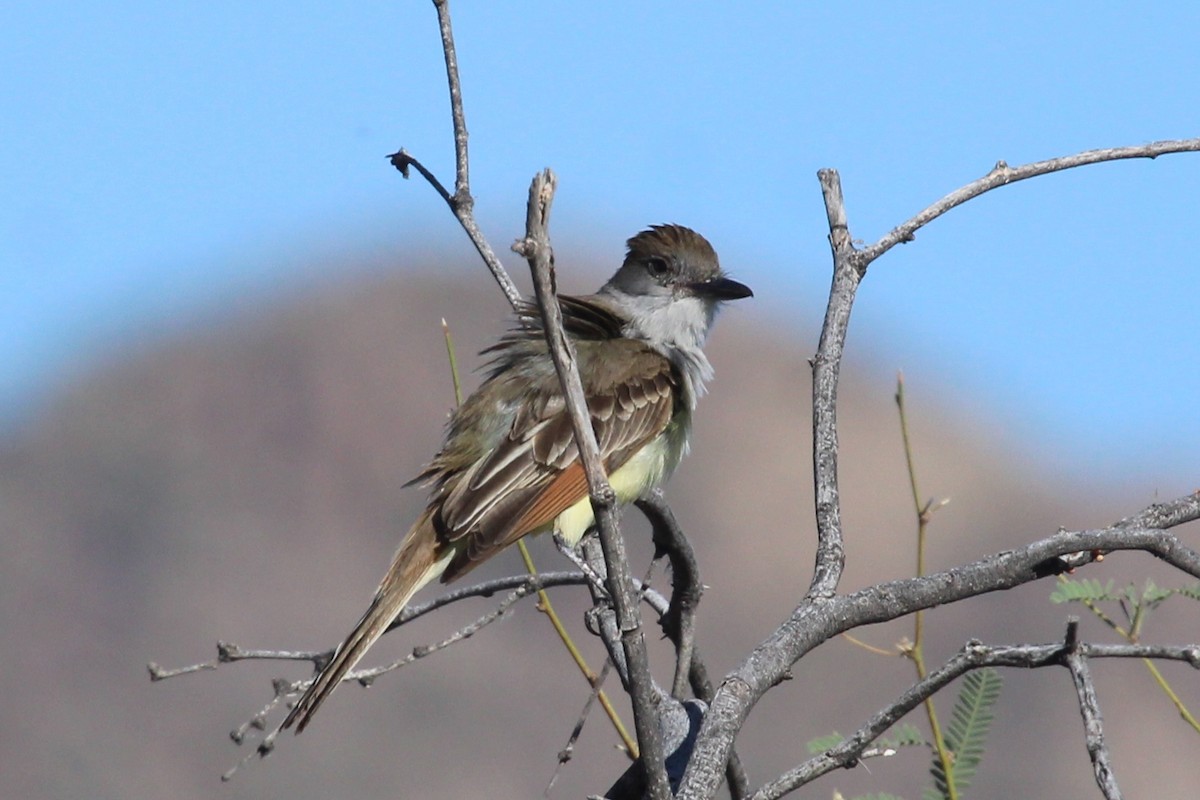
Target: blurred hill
241, 482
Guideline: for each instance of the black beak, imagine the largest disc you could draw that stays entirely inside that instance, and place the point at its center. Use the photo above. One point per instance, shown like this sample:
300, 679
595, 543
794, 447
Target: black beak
721, 289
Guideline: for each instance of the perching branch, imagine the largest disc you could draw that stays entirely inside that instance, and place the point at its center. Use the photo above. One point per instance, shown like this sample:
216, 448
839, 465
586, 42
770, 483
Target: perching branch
535, 247
679, 622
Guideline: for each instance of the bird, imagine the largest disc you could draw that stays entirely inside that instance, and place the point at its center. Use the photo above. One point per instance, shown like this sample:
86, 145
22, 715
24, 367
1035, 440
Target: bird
509, 466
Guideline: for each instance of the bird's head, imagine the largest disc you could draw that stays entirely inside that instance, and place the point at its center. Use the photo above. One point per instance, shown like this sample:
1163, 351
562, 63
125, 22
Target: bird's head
670, 286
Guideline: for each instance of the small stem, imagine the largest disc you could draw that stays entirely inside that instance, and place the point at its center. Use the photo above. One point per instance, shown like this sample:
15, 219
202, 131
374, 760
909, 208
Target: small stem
458, 398
1170, 693
592, 678
917, 652
870, 648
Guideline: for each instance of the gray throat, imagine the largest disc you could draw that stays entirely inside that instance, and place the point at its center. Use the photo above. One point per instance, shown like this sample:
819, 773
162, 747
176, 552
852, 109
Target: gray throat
676, 326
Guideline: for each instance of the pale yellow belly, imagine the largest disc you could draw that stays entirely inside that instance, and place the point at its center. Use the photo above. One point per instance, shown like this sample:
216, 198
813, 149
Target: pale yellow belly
646, 470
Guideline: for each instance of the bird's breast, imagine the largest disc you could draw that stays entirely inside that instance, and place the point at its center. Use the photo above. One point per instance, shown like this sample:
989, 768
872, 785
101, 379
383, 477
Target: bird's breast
645, 471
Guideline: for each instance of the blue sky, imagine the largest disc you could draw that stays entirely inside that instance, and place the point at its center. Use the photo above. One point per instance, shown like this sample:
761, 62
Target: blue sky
162, 162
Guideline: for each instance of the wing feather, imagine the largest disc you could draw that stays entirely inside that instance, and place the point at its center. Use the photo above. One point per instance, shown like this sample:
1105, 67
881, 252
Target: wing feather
534, 474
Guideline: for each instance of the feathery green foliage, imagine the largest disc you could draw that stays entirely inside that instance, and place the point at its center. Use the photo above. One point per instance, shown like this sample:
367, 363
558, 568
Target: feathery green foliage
1090, 590
1085, 590
968, 728
1190, 591
906, 735
1134, 604
823, 743
1135, 607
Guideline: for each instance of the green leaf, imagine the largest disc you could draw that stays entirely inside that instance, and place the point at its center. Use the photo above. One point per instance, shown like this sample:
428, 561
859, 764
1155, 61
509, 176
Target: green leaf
906, 735
822, 743
1088, 589
968, 728
1190, 591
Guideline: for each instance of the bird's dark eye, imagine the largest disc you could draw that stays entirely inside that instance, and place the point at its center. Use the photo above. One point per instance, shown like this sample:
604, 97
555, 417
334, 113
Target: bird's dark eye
658, 266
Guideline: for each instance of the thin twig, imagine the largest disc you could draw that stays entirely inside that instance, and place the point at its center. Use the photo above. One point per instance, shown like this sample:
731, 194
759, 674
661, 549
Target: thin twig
870, 648
462, 163
917, 651
535, 247
453, 359
461, 203
568, 751
367, 676
533, 583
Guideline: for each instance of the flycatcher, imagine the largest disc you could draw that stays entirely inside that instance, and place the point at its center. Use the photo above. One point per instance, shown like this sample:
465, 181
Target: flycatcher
509, 466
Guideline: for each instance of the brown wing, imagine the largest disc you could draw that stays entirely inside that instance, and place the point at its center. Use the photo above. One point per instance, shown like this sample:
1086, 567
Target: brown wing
534, 474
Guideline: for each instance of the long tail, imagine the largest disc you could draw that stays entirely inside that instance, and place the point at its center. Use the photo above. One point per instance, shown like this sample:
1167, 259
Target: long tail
416, 563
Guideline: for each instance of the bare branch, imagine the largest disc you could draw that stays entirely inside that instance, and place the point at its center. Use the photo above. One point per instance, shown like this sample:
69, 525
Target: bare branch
402, 160
227, 652
702, 688
532, 583
974, 655
535, 247
1089, 708
462, 180
365, 677
158, 673
812, 621
817, 619
1002, 175
826, 368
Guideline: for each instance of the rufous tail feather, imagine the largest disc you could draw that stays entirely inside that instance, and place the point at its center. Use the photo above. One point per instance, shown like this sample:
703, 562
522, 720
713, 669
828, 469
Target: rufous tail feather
416, 563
